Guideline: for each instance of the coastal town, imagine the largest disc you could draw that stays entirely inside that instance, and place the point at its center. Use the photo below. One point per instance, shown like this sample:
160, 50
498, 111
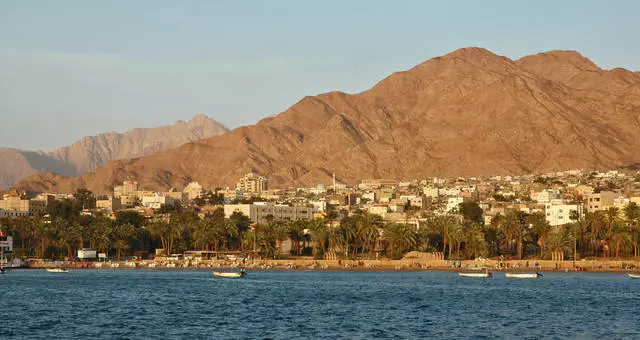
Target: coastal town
569, 220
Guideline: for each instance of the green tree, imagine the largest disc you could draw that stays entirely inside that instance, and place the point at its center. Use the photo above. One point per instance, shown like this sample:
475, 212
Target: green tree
471, 212
401, 237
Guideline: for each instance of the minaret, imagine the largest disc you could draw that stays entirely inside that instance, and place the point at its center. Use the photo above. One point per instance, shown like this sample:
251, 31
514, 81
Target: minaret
334, 182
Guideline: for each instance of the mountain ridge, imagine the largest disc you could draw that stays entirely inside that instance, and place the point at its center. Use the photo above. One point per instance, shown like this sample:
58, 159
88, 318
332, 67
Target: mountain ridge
91, 152
469, 112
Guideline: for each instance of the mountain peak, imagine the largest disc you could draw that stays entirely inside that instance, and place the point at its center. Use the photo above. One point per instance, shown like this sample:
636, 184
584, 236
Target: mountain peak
557, 57
470, 52
503, 117
200, 117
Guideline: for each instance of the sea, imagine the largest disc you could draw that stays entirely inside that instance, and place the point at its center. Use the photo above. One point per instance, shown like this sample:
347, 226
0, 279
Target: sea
176, 304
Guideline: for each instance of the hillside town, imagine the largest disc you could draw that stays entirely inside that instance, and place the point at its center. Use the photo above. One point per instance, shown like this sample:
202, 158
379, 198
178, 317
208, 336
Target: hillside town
563, 215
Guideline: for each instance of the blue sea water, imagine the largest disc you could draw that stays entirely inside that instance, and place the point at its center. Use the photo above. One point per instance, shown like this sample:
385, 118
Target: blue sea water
156, 304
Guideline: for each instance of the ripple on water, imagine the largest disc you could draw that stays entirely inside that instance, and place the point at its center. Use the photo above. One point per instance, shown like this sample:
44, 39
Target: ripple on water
108, 304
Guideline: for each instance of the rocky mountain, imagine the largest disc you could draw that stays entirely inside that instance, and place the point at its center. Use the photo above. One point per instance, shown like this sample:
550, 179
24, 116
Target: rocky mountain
90, 153
469, 112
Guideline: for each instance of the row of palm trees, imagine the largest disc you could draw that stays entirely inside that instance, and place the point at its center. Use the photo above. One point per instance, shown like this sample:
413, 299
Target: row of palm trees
609, 233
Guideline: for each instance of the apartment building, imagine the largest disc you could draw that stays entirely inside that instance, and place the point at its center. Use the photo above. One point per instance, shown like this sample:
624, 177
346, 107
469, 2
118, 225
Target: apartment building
601, 200
259, 212
33, 207
252, 184
559, 213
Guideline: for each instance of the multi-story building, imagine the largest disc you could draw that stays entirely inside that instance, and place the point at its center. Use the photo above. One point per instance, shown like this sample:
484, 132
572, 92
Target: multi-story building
543, 196
126, 189
252, 184
259, 212
177, 196
559, 213
129, 201
157, 201
193, 190
453, 203
378, 209
13, 213
110, 204
34, 207
601, 200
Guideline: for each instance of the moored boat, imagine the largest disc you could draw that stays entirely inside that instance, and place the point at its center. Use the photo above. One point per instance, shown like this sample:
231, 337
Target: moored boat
634, 275
231, 275
523, 275
482, 274
57, 270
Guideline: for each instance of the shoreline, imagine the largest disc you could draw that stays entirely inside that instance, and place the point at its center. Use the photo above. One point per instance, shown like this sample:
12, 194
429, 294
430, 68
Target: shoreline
404, 265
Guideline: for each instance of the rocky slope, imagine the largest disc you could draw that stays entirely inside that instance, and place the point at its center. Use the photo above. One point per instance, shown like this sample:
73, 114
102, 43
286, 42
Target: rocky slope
90, 153
470, 112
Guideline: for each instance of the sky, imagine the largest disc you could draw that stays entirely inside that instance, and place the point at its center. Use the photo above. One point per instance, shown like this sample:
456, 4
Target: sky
71, 68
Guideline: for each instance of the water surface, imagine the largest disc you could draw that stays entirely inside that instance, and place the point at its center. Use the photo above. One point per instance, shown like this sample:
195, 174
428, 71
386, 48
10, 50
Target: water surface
135, 304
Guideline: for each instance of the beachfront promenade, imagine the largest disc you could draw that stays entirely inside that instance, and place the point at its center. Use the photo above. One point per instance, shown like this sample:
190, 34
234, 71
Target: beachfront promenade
599, 265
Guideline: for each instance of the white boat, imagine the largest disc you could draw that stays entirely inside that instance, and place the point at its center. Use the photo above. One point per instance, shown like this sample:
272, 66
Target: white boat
483, 274
57, 270
634, 276
523, 275
230, 275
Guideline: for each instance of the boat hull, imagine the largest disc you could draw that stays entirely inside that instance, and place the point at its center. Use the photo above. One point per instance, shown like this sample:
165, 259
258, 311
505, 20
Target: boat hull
57, 270
229, 275
477, 275
634, 276
523, 275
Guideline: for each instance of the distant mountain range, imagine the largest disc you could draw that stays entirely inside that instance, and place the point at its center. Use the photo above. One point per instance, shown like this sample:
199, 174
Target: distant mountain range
467, 113
90, 153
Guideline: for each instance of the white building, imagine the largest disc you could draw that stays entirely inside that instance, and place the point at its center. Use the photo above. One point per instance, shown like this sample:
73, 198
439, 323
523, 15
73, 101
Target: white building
453, 203
320, 206
252, 184
431, 192
193, 191
543, 196
381, 210
156, 201
558, 213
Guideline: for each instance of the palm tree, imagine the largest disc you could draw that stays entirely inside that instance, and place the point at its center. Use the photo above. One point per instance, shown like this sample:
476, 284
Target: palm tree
349, 234
121, 232
66, 234
611, 219
541, 229
620, 237
369, 230
632, 214
514, 229
595, 223
401, 238
162, 228
474, 240
100, 233
296, 233
319, 233
560, 240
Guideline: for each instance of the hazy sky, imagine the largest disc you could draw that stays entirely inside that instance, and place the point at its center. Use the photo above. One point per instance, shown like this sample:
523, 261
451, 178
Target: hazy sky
75, 68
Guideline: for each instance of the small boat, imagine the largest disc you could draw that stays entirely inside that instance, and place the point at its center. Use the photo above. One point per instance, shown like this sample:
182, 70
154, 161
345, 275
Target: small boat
523, 275
634, 275
233, 275
57, 270
483, 274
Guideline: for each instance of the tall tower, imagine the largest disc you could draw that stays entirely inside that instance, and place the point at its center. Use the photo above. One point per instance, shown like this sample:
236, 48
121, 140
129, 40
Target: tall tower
334, 182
